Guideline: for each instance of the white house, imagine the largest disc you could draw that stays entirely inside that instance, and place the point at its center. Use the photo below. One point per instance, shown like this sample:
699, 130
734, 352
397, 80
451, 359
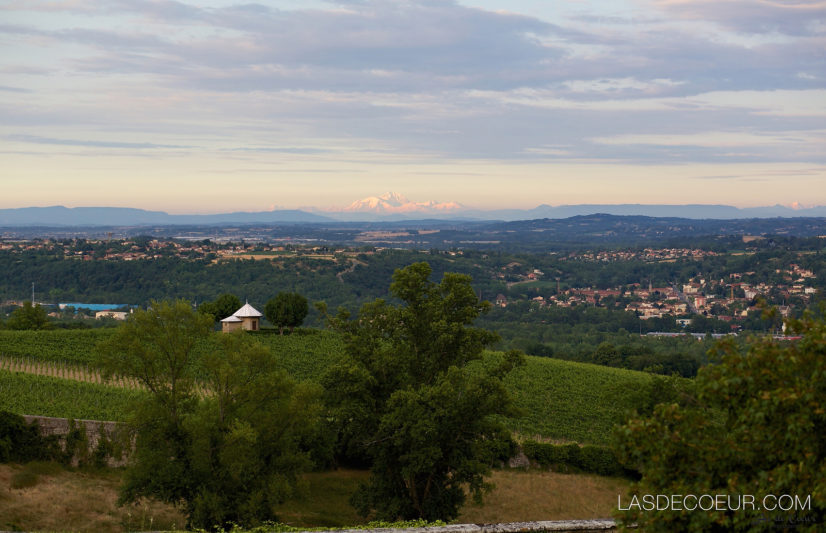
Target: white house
117, 315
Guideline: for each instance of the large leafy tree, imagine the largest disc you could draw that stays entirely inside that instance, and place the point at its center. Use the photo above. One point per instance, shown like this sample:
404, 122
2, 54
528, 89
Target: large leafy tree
413, 399
219, 431
221, 307
755, 426
29, 317
286, 310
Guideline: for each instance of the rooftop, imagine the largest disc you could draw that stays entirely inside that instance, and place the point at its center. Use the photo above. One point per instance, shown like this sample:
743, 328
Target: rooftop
247, 311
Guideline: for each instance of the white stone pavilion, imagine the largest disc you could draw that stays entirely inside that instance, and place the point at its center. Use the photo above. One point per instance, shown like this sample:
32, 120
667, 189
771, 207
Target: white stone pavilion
246, 318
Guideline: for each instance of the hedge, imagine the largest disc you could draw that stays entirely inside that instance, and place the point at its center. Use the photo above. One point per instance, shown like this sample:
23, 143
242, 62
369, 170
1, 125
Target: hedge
589, 459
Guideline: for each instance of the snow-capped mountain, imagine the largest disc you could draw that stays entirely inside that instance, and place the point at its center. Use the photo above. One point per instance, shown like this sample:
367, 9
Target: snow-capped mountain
395, 203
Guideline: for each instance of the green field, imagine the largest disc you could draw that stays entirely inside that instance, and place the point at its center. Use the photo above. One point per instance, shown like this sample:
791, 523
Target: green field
572, 401
560, 399
29, 394
305, 354
70, 346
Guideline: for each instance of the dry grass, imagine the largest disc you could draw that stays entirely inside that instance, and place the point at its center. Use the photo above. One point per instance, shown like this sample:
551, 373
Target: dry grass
76, 501
82, 501
539, 495
518, 496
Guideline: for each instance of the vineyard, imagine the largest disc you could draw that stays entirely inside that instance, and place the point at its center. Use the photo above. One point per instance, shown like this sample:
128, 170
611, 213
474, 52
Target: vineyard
305, 354
58, 369
572, 401
68, 346
48, 373
50, 396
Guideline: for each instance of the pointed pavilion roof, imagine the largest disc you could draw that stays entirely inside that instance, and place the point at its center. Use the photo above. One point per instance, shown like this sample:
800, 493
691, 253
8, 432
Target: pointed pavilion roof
247, 311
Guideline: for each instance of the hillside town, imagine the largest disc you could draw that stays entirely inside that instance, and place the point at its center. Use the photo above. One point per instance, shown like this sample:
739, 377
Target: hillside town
727, 299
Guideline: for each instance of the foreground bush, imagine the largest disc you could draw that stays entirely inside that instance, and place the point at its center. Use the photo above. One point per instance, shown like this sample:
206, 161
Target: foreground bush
755, 427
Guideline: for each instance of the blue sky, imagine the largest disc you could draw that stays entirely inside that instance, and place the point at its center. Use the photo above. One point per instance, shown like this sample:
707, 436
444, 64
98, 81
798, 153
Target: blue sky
219, 105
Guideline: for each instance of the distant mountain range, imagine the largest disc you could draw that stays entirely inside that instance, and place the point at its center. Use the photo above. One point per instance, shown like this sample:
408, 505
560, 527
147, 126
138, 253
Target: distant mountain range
394, 206
125, 216
693, 211
388, 207
394, 203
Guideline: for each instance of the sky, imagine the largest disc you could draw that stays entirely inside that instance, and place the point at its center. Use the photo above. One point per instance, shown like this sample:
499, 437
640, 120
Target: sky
217, 106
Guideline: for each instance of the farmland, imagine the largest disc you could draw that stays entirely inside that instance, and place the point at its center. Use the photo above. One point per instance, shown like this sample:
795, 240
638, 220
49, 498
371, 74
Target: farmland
560, 400
50, 396
572, 401
69, 346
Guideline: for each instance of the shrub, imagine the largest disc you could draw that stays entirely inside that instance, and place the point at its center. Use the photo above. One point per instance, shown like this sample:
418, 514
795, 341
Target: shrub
21, 442
24, 479
588, 459
30, 474
600, 460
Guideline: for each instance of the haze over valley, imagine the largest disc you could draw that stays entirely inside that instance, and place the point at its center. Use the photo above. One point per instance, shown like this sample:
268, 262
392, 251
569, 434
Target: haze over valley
391, 206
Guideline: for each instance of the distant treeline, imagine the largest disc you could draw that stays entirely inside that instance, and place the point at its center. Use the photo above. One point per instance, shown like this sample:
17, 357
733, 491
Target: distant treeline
349, 281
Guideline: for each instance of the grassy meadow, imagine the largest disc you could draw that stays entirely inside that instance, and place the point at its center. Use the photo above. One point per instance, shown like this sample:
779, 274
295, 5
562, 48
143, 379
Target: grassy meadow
48, 497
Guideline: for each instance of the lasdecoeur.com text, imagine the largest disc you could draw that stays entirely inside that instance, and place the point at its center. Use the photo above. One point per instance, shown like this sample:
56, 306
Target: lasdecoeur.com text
715, 502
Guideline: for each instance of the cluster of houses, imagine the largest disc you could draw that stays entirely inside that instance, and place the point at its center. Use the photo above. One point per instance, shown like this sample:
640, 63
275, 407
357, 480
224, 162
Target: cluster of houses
651, 302
698, 296
648, 254
108, 313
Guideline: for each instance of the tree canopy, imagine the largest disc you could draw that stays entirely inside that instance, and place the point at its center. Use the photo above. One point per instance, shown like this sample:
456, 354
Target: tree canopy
221, 307
286, 310
29, 317
408, 400
221, 429
754, 426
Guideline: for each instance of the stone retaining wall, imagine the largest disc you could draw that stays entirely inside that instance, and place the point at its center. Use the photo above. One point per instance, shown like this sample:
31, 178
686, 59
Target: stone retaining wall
556, 526
50, 426
60, 427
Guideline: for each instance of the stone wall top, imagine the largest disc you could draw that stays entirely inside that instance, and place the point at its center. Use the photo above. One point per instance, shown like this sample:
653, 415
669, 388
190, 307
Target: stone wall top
556, 526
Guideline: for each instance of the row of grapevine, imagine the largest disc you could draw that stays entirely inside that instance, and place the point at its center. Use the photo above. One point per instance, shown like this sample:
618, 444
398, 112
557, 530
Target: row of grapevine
573, 401
63, 370
559, 399
49, 396
305, 354
70, 346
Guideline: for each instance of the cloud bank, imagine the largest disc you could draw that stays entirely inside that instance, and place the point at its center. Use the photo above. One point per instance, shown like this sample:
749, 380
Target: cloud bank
376, 82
